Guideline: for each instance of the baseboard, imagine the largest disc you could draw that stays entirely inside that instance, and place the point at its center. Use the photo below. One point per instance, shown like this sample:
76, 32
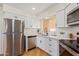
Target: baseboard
31, 48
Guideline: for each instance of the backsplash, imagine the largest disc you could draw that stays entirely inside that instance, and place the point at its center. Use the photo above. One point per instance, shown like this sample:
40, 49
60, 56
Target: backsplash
74, 28
30, 31
68, 30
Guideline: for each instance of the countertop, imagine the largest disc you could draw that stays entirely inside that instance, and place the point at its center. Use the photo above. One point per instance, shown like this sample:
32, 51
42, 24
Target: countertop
55, 37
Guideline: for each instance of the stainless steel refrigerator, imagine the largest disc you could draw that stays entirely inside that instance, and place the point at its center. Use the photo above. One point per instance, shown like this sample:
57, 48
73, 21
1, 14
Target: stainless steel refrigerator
14, 37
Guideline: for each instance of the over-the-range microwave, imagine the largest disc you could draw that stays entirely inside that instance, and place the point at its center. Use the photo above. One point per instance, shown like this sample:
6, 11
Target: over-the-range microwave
73, 17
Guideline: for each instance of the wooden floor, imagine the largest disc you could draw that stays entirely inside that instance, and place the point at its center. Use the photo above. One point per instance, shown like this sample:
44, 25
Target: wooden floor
35, 52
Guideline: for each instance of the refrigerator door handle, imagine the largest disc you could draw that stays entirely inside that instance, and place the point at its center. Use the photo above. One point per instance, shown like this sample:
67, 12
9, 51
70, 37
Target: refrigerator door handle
5, 25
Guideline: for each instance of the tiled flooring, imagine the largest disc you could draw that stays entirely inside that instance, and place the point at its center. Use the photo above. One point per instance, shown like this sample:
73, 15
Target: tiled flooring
35, 52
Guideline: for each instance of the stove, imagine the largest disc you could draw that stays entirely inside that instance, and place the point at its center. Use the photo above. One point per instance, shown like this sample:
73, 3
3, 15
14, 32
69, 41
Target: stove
72, 44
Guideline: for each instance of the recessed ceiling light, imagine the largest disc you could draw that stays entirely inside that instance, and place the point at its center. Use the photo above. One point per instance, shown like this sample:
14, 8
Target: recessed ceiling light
33, 8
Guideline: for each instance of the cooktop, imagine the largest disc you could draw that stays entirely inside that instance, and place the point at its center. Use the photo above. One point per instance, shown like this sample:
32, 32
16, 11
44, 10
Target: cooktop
72, 44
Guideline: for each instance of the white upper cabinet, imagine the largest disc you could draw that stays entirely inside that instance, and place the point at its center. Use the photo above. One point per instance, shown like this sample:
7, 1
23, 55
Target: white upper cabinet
32, 23
28, 23
71, 7
36, 23
60, 18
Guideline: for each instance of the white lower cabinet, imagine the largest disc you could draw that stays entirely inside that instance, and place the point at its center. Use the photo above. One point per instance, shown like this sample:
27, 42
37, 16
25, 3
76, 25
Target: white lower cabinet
49, 45
41, 42
53, 47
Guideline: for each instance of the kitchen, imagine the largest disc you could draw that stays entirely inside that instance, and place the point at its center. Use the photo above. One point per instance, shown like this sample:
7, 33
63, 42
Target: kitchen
48, 27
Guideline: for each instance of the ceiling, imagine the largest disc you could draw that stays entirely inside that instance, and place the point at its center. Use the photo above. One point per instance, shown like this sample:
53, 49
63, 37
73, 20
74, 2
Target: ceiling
27, 7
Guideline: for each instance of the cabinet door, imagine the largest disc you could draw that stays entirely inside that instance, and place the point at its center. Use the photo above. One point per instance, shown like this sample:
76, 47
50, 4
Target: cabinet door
55, 47
71, 7
45, 43
28, 23
36, 23
60, 18
41, 42
32, 23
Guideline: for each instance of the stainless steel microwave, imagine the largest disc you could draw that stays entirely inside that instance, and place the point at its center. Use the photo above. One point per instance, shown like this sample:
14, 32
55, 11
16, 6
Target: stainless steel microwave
73, 17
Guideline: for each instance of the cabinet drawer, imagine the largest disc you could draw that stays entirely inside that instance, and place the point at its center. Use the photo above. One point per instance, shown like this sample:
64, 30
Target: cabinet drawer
53, 51
49, 40
53, 47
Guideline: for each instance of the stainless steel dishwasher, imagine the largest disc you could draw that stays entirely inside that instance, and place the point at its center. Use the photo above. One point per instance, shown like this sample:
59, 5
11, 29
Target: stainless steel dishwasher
31, 42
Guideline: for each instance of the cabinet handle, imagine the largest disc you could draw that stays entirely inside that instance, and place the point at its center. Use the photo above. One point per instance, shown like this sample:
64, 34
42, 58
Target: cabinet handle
50, 45
50, 40
50, 51
40, 41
